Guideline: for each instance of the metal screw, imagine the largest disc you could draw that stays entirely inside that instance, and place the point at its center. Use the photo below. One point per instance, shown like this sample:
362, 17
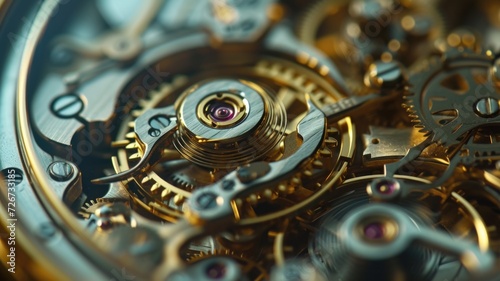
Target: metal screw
228, 185
67, 105
154, 132
244, 174
207, 201
61, 171
487, 107
253, 171
159, 122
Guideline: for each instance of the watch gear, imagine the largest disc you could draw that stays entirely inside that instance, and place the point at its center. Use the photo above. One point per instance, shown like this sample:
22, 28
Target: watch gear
359, 33
241, 140
455, 95
172, 180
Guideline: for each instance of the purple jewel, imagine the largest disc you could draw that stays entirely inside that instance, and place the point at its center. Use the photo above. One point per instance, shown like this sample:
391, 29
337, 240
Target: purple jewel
374, 231
221, 112
216, 271
386, 187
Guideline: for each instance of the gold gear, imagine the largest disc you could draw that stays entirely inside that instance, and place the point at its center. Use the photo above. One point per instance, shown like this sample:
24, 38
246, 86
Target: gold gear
250, 268
329, 26
172, 192
90, 207
318, 176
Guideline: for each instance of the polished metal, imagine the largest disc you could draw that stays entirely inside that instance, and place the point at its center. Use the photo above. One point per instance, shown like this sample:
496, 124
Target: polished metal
250, 140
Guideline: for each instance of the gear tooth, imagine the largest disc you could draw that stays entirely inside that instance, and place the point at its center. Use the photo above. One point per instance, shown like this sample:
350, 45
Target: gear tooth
332, 130
325, 152
252, 199
179, 199
155, 188
130, 135
296, 180
308, 173
134, 156
317, 164
268, 194
166, 194
418, 125
131, 124
132, 145
136, 113
145, 179
282, 188
143, 103
331, 141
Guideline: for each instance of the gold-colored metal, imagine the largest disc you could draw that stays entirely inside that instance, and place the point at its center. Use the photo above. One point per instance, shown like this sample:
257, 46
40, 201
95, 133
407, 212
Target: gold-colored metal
443, 191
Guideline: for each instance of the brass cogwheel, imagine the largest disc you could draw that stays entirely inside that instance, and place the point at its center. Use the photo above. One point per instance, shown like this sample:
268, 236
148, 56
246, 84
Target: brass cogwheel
250, 268
166, 186
357, 33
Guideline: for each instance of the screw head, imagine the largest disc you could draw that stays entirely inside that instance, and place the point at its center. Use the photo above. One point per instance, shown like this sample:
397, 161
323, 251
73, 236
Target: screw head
487, 107
67, 105
207, 201
61, 171
228, 185
253, 171
159, 122
154, 132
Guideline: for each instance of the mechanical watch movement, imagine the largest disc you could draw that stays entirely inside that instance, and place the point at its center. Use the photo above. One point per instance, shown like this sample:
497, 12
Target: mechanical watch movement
250, 140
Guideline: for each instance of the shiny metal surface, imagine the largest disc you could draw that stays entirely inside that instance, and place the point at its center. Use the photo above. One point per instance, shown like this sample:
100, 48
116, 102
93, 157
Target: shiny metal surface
250, 140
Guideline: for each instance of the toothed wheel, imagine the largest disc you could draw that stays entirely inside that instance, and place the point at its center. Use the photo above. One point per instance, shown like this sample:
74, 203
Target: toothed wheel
455, 95
192, 162
90, 207
249, 268
354, 34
